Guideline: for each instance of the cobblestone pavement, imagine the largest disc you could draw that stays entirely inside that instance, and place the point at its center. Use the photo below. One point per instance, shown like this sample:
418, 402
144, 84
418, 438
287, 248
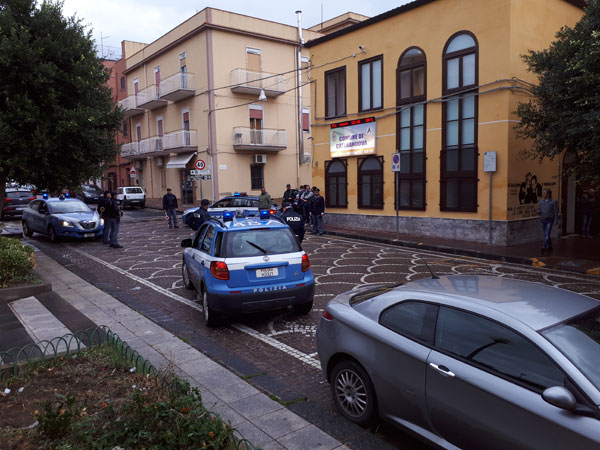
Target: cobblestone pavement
146, 274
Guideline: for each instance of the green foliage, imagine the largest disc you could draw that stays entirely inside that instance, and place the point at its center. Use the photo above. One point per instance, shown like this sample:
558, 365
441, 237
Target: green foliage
565, 114
16, 261
57, 116
57, 419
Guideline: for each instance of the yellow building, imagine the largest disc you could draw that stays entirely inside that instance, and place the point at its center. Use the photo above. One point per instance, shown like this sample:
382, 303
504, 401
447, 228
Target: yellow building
214, 108
435, 82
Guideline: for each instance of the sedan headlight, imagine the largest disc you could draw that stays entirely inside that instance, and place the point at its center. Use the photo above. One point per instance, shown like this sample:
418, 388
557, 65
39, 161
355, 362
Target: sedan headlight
101, 221
67, 224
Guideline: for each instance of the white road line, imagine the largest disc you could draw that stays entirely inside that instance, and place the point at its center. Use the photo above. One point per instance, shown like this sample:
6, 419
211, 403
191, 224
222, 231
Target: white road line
303, 357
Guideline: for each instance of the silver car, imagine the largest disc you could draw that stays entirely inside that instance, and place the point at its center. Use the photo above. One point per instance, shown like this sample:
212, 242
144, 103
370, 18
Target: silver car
468, 361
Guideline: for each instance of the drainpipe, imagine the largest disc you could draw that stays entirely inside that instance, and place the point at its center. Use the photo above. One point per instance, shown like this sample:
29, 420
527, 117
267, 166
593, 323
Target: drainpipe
299, 93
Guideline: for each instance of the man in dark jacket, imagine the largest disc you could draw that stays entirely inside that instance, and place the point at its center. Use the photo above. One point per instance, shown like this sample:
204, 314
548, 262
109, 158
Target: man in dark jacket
113, 213
294, 220
200, 216
102, 206
289, 196
170, 206
317, 208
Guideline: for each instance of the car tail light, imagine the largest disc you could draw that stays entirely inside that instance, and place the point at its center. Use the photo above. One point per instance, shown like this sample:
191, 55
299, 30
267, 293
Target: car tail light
271, 211
8, 200
8, 208
305, 263
219, 270
326, 315
31, 198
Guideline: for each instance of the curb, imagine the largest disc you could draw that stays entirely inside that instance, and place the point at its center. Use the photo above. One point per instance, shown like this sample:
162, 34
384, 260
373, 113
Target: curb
15, 293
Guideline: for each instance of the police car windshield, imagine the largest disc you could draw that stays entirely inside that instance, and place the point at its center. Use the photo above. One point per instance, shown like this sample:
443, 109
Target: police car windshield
259, 242
68, 207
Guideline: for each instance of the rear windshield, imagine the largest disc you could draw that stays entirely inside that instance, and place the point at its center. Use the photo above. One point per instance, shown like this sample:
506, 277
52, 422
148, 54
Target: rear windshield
90, 188
259, 242
68, 207
369, 294
134, 190
19, 194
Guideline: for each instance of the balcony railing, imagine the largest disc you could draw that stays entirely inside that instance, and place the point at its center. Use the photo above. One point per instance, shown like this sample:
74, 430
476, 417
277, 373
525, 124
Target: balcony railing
149, 98
264, 140
177, 87
247, 82
131, 150
152, 146
130, 106
180, 141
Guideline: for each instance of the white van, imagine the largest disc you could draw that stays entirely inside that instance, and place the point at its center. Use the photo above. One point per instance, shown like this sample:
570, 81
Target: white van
131, 196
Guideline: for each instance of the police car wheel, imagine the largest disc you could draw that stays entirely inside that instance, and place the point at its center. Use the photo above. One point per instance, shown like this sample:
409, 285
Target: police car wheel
52, 234
211, 319
303, 308
26, 231
185, 274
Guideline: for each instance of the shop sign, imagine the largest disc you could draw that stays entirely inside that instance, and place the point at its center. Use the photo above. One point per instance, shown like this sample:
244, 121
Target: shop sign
353, 138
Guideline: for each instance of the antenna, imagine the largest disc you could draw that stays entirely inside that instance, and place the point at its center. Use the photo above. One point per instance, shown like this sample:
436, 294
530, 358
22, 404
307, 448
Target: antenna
433, 275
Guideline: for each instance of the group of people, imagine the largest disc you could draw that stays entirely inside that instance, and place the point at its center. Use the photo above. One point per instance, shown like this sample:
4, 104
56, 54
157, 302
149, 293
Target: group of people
307, 203
110, 210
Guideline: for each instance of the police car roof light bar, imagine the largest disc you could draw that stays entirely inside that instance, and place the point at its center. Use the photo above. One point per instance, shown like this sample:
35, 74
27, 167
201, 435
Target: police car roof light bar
227, 216
265, 214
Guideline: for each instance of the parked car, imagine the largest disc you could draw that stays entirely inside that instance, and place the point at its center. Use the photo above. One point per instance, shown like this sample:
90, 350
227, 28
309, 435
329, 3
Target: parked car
15, 202
61, 217
237, 202
89, 193
468, 361
131, 196
247, 264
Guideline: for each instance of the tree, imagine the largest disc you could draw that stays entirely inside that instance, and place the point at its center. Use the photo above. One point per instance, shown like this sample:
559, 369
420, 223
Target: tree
564, 116
58, 120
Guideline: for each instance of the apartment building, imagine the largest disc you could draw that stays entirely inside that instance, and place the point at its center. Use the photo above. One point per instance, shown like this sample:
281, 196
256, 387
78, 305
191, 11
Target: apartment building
217, 105
415, 127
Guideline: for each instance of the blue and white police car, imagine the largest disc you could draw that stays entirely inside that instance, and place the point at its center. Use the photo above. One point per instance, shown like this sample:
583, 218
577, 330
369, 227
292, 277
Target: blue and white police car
247, 264
61, 217
236, 202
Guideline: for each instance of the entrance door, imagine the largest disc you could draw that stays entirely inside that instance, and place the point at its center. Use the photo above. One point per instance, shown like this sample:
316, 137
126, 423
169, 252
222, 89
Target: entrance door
256, 126
187, 187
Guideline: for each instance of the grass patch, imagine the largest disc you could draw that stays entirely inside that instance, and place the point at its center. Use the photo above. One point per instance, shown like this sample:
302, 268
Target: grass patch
96, 401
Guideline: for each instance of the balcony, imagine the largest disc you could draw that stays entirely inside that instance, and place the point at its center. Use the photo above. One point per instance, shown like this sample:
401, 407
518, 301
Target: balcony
259, 140
131, 151
177, 87
129, 105
248, 82
152, 146
149, 98
180, 141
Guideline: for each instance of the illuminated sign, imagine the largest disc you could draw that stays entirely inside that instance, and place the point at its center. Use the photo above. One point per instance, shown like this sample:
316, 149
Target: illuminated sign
352, 138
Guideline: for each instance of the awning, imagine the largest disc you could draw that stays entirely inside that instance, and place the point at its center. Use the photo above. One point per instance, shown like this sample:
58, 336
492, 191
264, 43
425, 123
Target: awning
180, 161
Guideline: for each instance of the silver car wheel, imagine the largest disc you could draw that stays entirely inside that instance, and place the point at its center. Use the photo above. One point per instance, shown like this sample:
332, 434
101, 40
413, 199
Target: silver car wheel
351, 393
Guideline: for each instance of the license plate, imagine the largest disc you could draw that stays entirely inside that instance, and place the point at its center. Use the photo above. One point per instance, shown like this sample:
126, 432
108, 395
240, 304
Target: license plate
270, 272
88, 235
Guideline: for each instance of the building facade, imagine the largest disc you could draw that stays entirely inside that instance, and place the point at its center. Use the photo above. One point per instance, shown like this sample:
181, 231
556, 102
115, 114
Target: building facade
430, 89
215, 106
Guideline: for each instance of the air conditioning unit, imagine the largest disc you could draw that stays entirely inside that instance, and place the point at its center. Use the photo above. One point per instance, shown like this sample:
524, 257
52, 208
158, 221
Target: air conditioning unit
160, 162
260, 159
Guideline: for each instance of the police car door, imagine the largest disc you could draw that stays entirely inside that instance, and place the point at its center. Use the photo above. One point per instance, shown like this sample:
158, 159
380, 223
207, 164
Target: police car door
205, 254
217, 209
193, 257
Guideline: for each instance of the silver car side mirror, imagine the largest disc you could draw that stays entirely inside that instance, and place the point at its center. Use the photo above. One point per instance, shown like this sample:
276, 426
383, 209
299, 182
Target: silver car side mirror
560, 397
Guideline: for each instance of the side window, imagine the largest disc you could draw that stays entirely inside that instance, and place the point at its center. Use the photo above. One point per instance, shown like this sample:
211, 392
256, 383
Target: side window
495, 348
35, 205
43, 208
198, 237
207, 240
218, 242
225, 203
253, 203
415, 320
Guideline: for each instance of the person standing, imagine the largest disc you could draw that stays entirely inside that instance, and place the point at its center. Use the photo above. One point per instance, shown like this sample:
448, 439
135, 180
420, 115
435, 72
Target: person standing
170, 206
548, 212
317, 208
289, 194
306, 199
102, 206
201, 215
294, 220
114, 213
588, 207
264, 199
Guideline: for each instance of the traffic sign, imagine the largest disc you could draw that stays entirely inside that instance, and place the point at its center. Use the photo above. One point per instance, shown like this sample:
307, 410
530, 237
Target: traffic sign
132, 171
200, 165
396, 162
195, 172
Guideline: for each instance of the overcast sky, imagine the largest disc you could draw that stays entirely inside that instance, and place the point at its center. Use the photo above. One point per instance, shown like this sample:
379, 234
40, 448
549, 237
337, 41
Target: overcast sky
147, 20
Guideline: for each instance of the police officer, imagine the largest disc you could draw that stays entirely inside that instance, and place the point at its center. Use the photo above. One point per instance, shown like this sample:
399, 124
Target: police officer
201, 215
102, 210
294, 220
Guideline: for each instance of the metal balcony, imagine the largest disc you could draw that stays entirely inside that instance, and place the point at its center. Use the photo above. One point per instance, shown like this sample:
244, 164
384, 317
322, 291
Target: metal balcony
129, 105
259, 140
247, 82
131, 151
180, 141
149, 98
152, 146
177, 87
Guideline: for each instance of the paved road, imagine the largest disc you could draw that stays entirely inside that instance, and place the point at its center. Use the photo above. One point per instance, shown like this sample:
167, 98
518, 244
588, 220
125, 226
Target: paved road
276, 351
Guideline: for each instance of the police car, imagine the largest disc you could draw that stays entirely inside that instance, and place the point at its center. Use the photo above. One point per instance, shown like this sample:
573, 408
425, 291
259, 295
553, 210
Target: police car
236, 202
245, 265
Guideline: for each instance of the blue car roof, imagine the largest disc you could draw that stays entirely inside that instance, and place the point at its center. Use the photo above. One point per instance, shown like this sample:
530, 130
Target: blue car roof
57, 200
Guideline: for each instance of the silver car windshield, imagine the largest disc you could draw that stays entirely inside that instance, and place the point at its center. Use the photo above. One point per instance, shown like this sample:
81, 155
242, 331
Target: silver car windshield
68, 207
579, 340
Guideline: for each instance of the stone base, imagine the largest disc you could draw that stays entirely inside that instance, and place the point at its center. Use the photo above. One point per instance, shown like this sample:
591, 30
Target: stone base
504, 233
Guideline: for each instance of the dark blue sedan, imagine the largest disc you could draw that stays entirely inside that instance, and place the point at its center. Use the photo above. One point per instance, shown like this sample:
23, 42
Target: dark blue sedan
62, 217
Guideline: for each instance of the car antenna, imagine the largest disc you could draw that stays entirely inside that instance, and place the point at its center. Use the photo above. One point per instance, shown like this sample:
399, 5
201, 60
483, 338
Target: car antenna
433, 275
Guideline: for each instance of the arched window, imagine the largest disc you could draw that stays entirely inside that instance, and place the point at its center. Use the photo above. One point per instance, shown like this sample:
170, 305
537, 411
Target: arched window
336, 187
370, 182
410, 128
459, 132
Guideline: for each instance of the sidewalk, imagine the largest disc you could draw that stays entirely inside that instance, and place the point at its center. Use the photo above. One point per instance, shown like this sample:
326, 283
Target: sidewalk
75, 304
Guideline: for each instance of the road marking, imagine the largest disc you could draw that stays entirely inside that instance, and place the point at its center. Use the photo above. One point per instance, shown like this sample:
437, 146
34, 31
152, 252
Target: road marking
303, 357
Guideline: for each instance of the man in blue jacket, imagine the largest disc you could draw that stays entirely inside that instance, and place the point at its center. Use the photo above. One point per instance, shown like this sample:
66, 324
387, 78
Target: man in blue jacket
548, 211
317, 208
170, 206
